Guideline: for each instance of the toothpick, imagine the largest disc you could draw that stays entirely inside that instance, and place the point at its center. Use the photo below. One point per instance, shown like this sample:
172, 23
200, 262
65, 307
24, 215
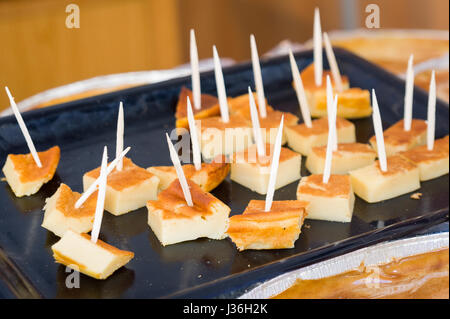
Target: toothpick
119, 136
100, 199
409, 90
431, 113
195, 73
258, 78
194, 137
223, 103
333, 64
331, 117
379, 133
300, 90
317, 39
330, 144
24, 129
274, 167
91, 189
180, 172
256, 127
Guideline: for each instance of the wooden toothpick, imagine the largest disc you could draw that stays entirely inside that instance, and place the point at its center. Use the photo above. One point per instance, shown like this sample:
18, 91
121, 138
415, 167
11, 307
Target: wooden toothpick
180, 172
300, 90
119, 136
258, 78
431, 118
220, 84
195, 73
330, 144
100, 199
381, 149
196, 156
23, 128
255, 124
317, 39
93, 187
409, 91
274, 167
333, 63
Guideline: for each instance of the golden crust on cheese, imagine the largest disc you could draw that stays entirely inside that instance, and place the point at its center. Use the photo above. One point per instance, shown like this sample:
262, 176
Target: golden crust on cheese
240, 105
130, 175
217, 123
28, 171
442, 143
172, 203
208, 177
421, 154
396, 164
66, 203
273, 119
210, 107
344, 148
319, 126
337, 186
309, 82
277, 229
258, 206
250, 155
396, 135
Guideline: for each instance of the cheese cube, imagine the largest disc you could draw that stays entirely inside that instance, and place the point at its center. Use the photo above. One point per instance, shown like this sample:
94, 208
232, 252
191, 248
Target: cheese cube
432, 164
253, 172
126, 190
98, 260
173, 221
347, 157
208, 177
373, 185
396, 139
302, 139
333, 201
23, 175
277, 229
219, 138
209, 107
61, 214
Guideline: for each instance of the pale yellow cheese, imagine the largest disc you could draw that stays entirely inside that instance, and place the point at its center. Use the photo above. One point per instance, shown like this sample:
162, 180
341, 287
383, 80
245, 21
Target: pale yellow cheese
98, 260
374, 185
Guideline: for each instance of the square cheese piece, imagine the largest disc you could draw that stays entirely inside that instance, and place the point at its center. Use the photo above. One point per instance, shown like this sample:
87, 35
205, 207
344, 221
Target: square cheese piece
373, 185
209, 107
208, 177
353, 103
333, 201
347, 157
396, 139
126, 190
23, 175
219, 138
253, 172
302, 138
240, 105
173, 221
277, 229
98, 260
269, 125
432, 164
61, 214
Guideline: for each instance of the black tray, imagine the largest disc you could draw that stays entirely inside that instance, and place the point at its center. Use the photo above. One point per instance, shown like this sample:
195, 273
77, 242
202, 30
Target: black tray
201, 268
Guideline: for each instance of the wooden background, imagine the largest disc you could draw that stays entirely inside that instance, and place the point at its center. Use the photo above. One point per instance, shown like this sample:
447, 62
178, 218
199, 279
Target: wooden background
38, 52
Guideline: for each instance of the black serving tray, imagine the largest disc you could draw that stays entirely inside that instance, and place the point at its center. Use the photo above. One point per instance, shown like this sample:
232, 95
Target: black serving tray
202, 268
